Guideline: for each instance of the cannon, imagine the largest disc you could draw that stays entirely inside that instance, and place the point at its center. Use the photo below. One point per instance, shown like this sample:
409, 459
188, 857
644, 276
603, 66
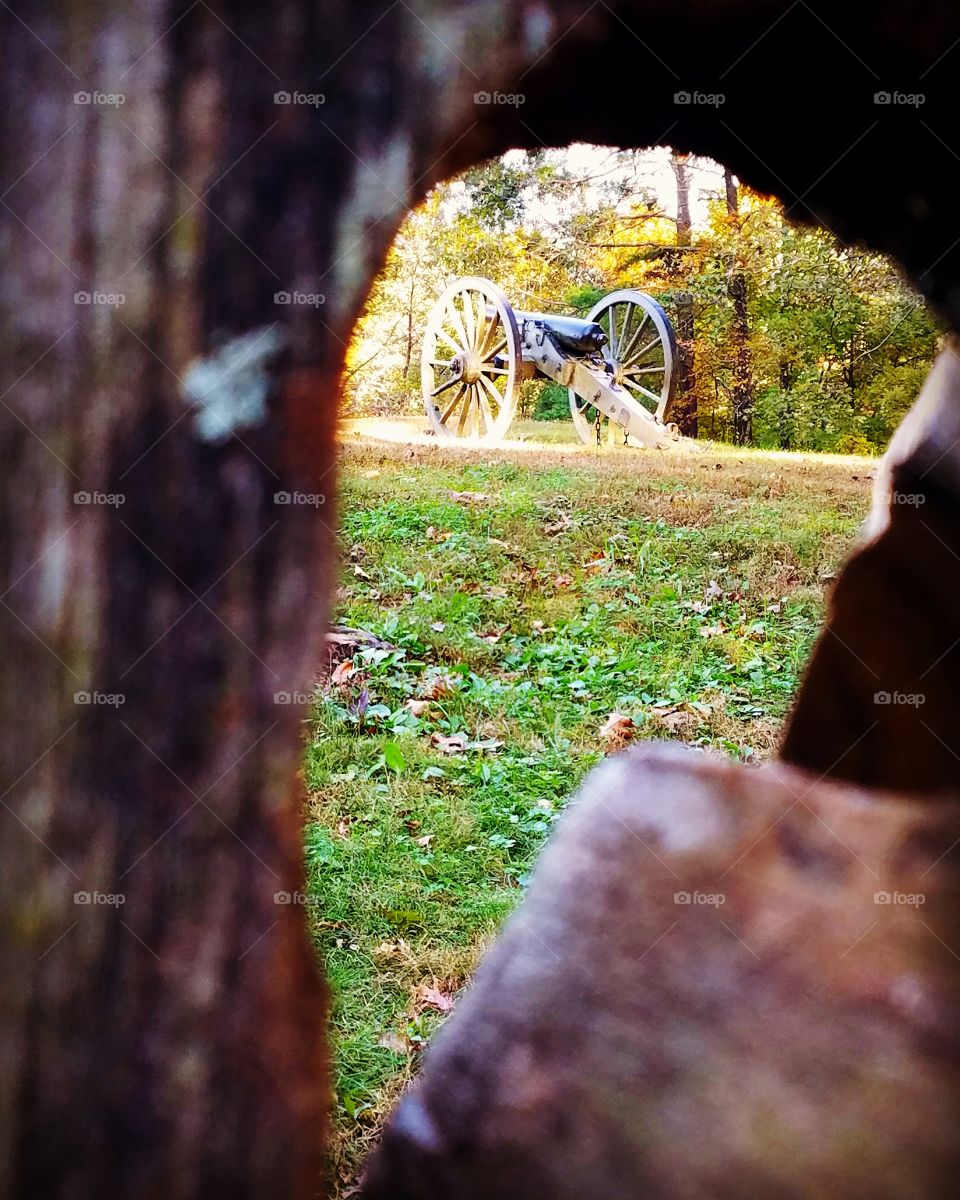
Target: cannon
618, 364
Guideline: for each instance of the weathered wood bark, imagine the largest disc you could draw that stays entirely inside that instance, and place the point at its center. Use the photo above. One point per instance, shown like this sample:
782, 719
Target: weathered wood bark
173, 1046
701, 997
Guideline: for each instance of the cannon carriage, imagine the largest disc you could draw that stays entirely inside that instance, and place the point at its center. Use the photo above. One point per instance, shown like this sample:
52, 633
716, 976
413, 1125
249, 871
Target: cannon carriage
618, 364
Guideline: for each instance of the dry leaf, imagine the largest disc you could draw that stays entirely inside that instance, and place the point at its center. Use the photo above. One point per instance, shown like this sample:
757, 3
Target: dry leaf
429, 996
455, 744
395, 1042
343, 671
562, 523
469, 497
562, 581
398, 949
425, 840
371, 474
436, 686
419, 708
438, 626
617, 730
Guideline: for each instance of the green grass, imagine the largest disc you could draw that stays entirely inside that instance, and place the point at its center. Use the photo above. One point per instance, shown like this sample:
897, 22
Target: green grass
681, 590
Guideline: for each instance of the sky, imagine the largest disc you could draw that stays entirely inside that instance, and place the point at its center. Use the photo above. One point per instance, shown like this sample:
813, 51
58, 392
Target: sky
706, 177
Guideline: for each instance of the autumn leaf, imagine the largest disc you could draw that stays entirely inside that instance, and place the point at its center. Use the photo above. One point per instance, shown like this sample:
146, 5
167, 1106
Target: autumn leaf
343, 671
617, 730
469, 497
395, 1042
429, 996
436, 686
418, 708
456, 743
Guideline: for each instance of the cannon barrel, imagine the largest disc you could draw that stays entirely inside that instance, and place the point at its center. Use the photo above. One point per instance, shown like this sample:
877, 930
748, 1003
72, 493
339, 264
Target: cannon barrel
571, 334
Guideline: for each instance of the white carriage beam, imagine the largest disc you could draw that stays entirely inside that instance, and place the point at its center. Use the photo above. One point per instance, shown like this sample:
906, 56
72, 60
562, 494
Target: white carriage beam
591, 384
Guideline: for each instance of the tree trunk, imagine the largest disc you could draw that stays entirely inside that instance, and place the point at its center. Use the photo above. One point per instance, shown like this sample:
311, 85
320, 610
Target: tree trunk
785, 407
742, 373
684, 409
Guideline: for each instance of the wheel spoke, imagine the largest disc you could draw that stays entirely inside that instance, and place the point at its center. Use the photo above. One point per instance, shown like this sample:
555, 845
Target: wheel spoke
502, 345
465, 411
640, 388
638, 357
624, 332
470, 319
442, 333
613, 332
644, 370
628, 349
453, 404
489, 334
457, 322
483, 329
443, 386
495, 370
484, 405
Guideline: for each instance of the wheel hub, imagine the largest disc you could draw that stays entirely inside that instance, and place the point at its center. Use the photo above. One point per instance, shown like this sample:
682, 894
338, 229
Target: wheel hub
467, 366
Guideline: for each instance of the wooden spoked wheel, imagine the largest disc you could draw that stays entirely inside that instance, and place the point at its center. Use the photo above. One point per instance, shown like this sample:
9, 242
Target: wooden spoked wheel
469, 363
641, 350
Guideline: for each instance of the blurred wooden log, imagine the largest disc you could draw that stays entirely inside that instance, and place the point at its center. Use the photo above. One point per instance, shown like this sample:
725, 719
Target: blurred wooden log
723, 982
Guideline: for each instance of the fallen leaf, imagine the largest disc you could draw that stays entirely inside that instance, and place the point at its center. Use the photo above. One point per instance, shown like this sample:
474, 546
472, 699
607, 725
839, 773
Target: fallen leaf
469, 497
371, 474
492, 636
397, 949
436, 686
710, 631
360, 572
486, 744
429, 996
617, 730
425, 840
343, 671
561, 524
438, 626
395, 1042
456, 743
419, 708
562, 581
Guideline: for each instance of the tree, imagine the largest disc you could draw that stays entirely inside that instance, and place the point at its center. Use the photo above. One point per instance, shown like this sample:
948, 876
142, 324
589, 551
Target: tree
742, 376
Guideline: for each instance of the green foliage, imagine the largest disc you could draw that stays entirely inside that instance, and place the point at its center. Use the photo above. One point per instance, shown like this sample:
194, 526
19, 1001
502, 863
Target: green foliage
553, 403
683, 598
838, 345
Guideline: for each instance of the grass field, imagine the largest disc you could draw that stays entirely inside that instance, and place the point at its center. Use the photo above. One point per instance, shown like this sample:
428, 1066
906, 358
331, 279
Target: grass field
519, 598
